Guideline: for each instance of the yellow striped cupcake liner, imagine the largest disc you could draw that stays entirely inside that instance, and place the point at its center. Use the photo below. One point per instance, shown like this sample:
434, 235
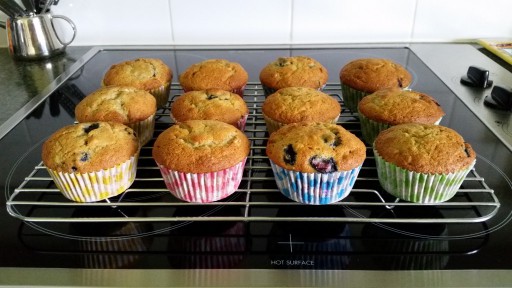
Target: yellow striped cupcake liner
273, 125
96, 186
144, 129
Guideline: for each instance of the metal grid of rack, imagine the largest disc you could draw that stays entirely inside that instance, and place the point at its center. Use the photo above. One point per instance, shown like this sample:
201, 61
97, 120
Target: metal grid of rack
38, 200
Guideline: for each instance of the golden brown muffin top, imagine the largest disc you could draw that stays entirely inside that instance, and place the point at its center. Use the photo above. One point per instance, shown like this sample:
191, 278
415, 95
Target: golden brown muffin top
214, 73
89, 147
142, 73
296, 71
200, 146
119, 104
396, 106
296, 104
210, 104
424, 148
312, 147
372, 74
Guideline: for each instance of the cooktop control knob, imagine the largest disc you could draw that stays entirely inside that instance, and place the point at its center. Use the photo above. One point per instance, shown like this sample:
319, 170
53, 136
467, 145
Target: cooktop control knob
476, 77
501, 98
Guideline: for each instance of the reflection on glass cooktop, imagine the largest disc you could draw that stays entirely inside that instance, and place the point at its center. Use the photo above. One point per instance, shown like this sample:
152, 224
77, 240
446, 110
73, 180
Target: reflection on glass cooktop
256, 227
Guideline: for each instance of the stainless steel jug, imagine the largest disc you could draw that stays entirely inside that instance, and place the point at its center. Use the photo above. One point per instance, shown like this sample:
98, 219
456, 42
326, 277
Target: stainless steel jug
35, 37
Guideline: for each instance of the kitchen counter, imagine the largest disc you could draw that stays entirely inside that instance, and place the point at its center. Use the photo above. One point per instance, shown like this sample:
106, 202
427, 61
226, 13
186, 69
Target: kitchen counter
23, 81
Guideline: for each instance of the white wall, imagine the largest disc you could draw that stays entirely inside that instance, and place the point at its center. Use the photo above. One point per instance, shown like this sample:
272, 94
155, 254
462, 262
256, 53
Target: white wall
120, 22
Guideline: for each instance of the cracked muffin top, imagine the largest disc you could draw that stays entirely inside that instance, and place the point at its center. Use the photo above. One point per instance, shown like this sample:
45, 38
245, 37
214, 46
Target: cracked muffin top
214, 73
119, 104
296, 104
210, 104
297, 71
395, 106
200, 146
424, 148
89, 147
313, 147
141, 73
372, 74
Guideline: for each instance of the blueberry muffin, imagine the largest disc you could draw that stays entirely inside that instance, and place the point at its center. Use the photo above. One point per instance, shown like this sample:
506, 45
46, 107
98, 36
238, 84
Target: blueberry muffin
92, 161
364, 76
393, 106
422, 163
149, 74
130, 106
210, 153
315, 163
296, 71
211, 104
215, 73
297, 104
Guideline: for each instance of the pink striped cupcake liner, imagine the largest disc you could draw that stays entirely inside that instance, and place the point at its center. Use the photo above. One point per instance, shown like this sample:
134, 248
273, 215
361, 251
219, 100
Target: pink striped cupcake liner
203, 187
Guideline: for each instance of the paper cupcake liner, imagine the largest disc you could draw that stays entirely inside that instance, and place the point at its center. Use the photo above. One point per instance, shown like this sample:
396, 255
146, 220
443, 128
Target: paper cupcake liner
96, 186
161, 94
203, 187
370, 129
351, 97
144, 129
418, 187
314, 188
273, 125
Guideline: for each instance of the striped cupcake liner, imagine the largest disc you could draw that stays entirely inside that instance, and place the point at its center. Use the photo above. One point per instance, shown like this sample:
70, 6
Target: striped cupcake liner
203, 187
370, 129
314, 188
418, 187
96, 186
273, 125
161, 94
144, 129
351, 97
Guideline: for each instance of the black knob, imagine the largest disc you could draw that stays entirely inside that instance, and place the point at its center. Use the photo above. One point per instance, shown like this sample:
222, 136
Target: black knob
501, 98
476, 77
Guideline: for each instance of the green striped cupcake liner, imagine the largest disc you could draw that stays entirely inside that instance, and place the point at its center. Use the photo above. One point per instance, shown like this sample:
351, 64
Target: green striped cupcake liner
370, 129
351, 97
418, 187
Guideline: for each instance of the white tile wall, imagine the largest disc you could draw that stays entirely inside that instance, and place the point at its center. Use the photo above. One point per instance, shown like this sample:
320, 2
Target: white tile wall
154, 22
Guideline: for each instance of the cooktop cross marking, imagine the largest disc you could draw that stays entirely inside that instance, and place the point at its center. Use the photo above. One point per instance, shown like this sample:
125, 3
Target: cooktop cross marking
290, 242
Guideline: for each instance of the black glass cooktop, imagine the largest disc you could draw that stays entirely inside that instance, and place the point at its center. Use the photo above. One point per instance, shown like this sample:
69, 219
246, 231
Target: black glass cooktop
256, 227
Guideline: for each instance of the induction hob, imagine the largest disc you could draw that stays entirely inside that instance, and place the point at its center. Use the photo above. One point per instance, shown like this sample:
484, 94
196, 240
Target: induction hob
258, 228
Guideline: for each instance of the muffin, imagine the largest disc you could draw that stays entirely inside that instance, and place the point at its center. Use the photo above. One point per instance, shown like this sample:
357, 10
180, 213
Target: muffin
393, 106
297, 104
315, 163
201, 160
422, 163
130, 106
149, 74
215, 73
364, 76
92, 161
211, 104
297, 71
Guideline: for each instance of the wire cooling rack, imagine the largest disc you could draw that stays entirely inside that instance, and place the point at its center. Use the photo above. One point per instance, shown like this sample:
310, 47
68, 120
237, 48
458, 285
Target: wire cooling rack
258, 199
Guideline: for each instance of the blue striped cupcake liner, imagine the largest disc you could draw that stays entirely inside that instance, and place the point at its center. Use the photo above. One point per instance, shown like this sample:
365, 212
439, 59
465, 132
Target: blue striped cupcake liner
314, 188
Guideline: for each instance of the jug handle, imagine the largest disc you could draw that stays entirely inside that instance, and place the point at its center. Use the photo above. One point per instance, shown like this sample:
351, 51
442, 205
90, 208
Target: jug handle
70, 23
